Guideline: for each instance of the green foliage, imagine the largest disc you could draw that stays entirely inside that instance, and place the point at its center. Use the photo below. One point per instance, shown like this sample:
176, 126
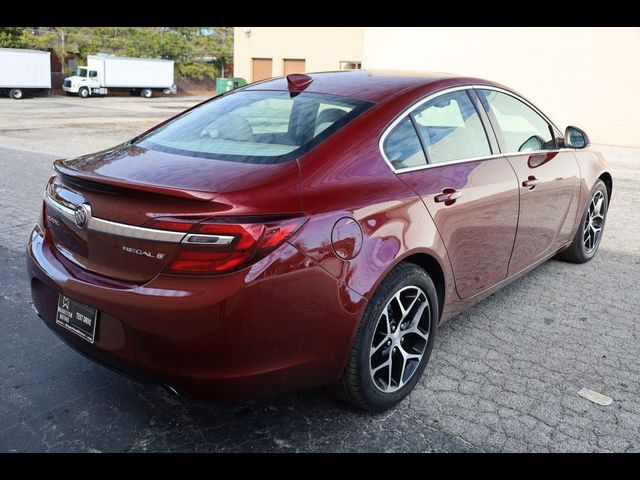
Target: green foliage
199, 71
198, 52
11, 37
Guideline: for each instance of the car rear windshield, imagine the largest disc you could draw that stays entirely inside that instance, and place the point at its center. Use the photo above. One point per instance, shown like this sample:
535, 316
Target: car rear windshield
255, 126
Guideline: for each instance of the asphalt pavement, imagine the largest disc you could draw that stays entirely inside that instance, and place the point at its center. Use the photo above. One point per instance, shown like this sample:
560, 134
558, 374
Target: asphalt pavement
503, 376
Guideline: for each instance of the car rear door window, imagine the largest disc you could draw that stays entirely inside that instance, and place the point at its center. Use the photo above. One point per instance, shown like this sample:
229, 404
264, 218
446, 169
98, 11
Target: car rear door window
402, 146
451, 128
521, 128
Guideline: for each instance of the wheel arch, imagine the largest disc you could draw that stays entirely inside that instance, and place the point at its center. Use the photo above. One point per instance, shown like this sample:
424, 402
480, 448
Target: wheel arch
608, 182
432, 266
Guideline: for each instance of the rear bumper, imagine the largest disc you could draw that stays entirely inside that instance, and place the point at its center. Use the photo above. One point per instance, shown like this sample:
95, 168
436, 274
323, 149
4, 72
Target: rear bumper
279, 325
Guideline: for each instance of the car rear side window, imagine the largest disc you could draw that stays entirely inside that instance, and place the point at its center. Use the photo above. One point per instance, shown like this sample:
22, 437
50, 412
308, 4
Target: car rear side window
451, 128
402, 146
255, 126
521, 129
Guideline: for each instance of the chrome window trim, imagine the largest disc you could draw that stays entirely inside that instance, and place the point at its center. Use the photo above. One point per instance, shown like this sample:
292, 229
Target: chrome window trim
130, 231
450, 162
407, 111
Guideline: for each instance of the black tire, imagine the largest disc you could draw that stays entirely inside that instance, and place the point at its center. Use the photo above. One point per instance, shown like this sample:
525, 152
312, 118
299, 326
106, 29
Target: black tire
578, 251
83, 92
134, 92
16, 93
356, 385
146, 93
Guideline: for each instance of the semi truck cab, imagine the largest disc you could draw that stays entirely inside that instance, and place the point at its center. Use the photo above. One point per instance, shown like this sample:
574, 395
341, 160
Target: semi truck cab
84, 83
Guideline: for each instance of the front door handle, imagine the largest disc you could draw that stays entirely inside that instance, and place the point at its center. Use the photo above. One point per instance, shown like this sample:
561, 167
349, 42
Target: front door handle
530, 182
448, 196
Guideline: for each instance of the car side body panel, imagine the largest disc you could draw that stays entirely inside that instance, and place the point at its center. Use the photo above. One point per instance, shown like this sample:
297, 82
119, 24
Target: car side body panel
479, 227
348, 177
547, 208
593, 166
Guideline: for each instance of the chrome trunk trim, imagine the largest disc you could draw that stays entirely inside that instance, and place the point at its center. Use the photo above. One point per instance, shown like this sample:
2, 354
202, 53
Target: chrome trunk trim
130, 231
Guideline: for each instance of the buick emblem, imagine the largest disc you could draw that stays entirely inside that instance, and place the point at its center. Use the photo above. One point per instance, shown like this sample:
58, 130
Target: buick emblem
82, 215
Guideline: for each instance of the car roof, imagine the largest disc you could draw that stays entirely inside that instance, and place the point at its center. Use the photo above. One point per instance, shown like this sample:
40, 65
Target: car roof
370, 85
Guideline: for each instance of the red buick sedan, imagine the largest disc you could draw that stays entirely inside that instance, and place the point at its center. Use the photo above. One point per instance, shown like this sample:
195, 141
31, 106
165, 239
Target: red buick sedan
309, 230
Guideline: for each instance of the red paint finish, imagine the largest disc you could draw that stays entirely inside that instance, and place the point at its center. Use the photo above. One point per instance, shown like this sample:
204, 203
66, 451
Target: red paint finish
346, 238
287, 320
479, 227
548, 205
298, 81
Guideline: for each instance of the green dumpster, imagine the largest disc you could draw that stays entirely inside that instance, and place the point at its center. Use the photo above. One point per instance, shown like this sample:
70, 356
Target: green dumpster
227, 84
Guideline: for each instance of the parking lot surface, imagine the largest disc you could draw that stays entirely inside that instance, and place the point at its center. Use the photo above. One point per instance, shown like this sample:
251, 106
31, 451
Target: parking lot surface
503, 376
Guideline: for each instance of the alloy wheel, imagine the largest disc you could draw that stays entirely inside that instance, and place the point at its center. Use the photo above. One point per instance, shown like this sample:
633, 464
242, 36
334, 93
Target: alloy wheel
400, 339
592, 228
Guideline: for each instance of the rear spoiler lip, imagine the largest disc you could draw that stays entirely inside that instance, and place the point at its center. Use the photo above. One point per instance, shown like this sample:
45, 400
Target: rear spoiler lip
60, 167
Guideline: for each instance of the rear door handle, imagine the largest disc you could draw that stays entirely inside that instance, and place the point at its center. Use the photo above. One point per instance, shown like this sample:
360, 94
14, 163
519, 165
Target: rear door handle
530, 182
448, 196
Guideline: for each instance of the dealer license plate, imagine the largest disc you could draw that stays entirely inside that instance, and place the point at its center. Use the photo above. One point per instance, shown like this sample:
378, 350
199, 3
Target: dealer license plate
77, 317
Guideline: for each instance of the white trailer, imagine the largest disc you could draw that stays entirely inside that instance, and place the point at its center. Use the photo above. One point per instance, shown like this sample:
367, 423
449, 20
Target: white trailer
23, 71
141, 76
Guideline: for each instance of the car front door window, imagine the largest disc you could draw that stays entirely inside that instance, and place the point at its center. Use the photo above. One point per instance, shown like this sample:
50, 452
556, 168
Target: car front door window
522, 129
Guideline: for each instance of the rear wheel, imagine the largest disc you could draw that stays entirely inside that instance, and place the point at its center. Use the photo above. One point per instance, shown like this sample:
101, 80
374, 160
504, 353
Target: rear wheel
394, 341
83, 92
589, 234
146, 93
15, 93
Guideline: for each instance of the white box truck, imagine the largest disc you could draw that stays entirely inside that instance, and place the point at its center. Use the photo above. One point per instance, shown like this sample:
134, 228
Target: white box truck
24, 71
141, 76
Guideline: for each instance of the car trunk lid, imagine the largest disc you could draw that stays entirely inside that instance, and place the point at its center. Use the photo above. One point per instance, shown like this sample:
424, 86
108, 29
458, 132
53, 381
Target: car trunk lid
122, 191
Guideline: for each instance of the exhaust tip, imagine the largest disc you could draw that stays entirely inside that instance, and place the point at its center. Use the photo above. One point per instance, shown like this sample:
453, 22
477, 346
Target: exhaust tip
169, 389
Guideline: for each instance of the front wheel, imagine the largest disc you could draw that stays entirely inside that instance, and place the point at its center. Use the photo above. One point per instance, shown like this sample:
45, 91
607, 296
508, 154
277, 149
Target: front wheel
394, 341
15, 93
589, 234
83, 92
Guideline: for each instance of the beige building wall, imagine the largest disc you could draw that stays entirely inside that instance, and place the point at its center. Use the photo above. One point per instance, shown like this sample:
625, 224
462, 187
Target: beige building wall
586, 76
322, 48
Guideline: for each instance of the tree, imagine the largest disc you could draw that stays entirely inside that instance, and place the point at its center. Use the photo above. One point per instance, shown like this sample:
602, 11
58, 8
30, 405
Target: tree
198, 52
11, 37
224, 46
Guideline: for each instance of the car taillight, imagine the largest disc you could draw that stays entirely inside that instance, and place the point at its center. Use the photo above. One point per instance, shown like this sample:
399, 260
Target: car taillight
220, 245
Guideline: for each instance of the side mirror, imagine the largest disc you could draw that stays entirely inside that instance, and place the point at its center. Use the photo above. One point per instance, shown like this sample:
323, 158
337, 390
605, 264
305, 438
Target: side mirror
532, 144
575, 138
